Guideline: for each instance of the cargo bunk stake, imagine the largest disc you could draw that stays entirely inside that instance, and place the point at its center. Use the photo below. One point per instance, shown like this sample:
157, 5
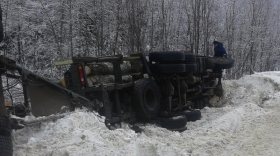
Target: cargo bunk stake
118, 80
146, 65
3, 111
107, 107
179, 92
117, 102
25, 92
117, 71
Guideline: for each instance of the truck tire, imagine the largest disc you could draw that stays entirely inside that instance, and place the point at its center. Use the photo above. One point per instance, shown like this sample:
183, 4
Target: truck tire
199, 103
146, 99
226, 63
201, 64
166, 57
6, 146
221, 62
191, 68
176, 123
189, 59
192, 115
168, 68
20, 110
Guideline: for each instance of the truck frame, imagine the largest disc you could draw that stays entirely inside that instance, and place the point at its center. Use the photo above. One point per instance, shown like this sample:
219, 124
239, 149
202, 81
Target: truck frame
164, 88
142, 88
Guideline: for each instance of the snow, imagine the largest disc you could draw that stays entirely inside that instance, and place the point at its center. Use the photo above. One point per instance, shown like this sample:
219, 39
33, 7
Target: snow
246, 122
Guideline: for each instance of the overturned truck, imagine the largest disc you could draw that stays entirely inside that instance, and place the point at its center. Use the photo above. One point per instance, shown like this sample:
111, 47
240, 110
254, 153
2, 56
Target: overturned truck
165, 88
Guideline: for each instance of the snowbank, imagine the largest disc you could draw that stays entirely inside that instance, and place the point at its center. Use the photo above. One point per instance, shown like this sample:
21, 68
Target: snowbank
228, 130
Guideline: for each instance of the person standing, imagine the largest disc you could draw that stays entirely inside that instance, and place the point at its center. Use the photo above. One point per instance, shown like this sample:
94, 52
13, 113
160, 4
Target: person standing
219, 50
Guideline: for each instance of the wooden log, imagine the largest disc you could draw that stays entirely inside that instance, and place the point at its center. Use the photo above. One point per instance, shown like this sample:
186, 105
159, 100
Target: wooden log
108, 69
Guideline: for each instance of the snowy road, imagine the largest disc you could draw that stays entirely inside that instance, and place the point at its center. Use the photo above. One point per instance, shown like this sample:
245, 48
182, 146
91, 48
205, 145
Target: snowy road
248, 123
263, 139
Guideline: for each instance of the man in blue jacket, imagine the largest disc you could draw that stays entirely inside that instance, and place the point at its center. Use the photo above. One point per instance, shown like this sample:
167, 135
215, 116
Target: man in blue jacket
219, 49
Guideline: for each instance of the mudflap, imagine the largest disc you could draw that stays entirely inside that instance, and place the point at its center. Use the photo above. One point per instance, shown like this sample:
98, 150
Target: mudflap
49, 98
46, 100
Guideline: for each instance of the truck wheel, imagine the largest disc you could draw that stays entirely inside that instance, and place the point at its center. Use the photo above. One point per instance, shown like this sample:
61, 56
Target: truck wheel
191, 68
6, 146
168, 68
167, 57
20, 110
221, 62
146, 99
227, 63
192, 115
189, 59
176, 123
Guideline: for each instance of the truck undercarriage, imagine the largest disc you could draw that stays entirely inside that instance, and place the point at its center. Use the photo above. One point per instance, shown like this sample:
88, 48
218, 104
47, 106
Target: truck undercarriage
137, 88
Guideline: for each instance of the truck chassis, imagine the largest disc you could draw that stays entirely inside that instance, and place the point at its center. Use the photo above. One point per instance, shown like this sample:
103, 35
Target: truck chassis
154, 88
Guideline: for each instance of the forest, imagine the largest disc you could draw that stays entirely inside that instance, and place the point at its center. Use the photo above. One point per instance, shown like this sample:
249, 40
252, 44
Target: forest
40, 32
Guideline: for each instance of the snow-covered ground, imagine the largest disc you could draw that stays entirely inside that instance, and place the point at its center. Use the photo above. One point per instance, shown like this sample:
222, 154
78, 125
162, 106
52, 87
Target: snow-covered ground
246, 123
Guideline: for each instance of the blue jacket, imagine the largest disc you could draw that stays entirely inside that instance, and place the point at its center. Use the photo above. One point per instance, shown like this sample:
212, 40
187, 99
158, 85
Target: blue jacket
219, 50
